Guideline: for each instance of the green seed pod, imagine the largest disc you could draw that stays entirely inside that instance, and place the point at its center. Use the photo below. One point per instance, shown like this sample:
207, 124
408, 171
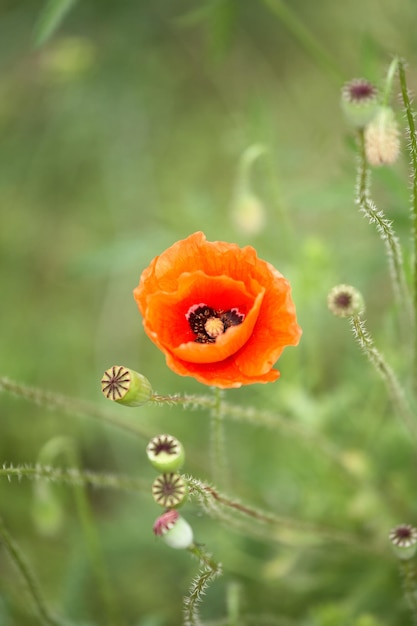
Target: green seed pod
174, 529
404, 541
165, 453
125, 386
359, 102
169, 490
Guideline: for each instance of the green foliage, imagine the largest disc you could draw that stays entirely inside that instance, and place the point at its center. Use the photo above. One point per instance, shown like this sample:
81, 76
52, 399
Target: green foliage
123, 131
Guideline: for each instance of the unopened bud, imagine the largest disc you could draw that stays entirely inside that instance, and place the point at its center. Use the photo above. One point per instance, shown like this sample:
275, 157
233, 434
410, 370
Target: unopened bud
404, 541
345, 301
382, 142
359, 101
169, 490
248, 213
125, 386
165, 453
175, 531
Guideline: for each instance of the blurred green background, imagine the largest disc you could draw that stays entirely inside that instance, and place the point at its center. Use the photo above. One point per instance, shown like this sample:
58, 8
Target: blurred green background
122, 133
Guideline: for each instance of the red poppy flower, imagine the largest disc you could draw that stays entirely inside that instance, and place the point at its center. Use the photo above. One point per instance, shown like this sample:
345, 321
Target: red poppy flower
217, 312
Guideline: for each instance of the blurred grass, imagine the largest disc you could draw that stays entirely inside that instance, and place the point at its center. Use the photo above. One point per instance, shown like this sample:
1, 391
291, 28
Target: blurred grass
122, 134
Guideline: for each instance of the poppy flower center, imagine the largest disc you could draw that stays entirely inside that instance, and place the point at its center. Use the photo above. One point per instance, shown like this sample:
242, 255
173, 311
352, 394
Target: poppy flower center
207, 323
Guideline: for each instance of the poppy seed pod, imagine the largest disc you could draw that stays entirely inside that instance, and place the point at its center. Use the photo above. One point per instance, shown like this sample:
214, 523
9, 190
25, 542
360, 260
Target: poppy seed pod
165, 453
359, 102
404, 541
125, 386
217, 312
169, 490
174, 529
345, 301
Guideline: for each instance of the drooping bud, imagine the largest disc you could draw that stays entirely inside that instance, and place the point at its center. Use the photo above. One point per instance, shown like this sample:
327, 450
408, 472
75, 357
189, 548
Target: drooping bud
165, 453
345, 301
382, 142
169, 490
359, 102
125, 386
248, 213
404, 541
174, 529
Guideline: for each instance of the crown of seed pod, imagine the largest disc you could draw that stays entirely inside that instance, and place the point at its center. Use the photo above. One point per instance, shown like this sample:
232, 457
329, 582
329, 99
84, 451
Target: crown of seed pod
169, 490
404, 541
345, 301
359, 101
165, 453
174, 529
125, 386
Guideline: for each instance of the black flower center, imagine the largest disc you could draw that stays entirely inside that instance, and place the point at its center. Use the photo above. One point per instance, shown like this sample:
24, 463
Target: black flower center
207, 323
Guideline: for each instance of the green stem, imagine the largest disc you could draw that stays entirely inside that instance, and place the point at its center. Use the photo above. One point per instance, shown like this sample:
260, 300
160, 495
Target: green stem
388, 81
412, 146
388, 236
94, 548
25, 571
408, 573
394, 388
307, 40
218, 457
69, 406
210, 569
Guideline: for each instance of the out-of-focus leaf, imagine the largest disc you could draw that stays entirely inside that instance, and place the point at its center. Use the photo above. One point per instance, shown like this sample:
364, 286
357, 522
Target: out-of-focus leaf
50, 19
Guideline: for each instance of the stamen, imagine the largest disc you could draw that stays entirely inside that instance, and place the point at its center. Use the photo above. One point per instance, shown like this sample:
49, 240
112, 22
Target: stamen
207, 324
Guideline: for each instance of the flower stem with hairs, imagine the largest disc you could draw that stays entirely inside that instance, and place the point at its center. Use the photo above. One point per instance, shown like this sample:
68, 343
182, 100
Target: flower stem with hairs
210, 569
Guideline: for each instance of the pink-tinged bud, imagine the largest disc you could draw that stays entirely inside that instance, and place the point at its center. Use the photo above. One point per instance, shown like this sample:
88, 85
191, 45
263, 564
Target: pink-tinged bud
175, 531
404, 541
382, 141
359, 102
125, 386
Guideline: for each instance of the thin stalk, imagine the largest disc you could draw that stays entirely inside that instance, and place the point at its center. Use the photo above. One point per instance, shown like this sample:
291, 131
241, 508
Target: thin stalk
392, 384
412, 147
388, 236
69, 406
305, 38
21, 564
210, 569
94, 549
408, 574
218, 457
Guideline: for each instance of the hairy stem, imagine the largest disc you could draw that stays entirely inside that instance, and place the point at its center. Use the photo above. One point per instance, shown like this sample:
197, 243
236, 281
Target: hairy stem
412, 146
393, 386
209, 571
219, 465
388, 236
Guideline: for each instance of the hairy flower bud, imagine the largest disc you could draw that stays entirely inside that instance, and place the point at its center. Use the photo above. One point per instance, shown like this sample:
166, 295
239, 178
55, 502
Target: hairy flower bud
175, 531
382, 142
359, 101
125, 386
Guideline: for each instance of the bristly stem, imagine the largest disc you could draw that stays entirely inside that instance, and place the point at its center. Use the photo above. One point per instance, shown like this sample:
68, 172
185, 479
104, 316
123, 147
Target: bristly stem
387, 234
408, 573
219, 465
25, 571
412, 147
210, 569
394, 388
